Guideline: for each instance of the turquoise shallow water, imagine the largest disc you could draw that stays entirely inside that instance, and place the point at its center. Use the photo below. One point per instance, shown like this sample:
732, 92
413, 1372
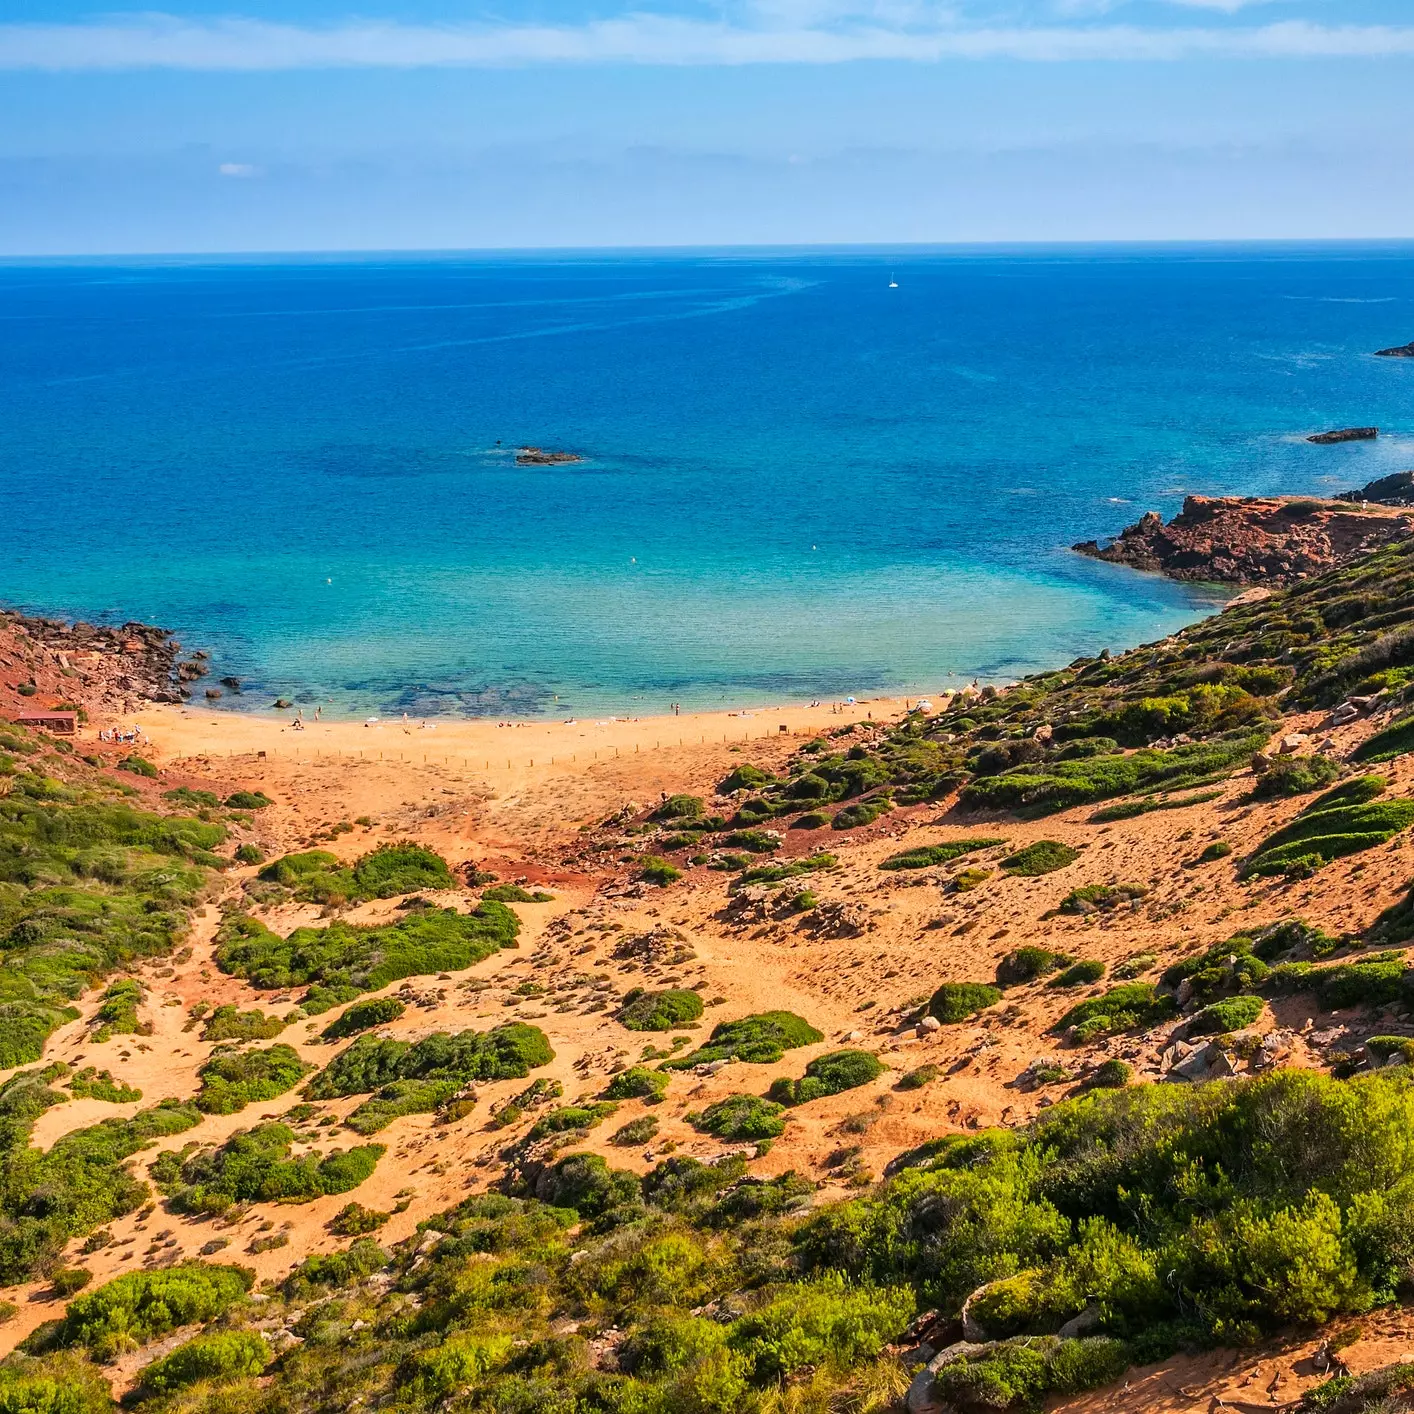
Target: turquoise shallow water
798, 482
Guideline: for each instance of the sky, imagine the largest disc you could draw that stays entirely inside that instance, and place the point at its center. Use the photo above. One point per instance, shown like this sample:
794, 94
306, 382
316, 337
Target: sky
304, 125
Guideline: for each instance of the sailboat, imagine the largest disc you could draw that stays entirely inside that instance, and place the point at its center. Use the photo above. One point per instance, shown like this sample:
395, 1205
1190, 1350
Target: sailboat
893, 284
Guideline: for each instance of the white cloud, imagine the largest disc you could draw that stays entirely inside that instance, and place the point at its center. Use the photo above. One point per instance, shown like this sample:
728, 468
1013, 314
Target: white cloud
641, 38
238, 169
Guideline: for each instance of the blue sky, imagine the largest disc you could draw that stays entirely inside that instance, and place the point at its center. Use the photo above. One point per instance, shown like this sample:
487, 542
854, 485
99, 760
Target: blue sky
315, 124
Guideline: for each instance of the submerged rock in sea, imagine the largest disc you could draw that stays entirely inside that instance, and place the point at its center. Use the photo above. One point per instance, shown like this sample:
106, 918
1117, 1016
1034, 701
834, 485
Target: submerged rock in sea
1402, 351
1266, 540
1345, 434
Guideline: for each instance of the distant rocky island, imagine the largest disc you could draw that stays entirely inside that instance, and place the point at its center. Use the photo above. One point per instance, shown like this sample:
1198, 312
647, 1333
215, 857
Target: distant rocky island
1345, 434
1402, 351
1270, 540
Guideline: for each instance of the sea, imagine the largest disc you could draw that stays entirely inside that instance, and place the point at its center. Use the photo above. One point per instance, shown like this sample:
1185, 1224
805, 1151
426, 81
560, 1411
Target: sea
804, 474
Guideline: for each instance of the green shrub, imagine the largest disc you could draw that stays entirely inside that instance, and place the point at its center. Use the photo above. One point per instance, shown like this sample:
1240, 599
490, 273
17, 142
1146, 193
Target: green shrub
364, 1016
420, 1077
925, 856
863, 812
654, 869
192, 799
133, 1309
1386, 1049
586, 1183
213, 1357
1026, 964
572, 1118
317, 876
1018, 1374
257, 1166
1130, 1006
1226, 967
1112, 1074
354, 1220
1042, 857
341, 960
513, 893
636, 1131
69, 1281
760, 1039
1147, 805
1295, 775
811, 820
118, 1009
669, 1010
334, 1269
681, 807
1376, 979
742, 1117
776, 873
1219, 849
139, 766
248, 800
1232, 1014
957, 1001
249, 854
1079, 974
919, 1076
828, 1075
637, 1083
232, 1080
228, 1023
93, 1084
745, 777
1090, 897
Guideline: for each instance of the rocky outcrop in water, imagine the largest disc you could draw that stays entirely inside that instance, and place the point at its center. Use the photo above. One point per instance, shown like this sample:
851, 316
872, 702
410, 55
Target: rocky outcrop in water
1345, 434
538, 456
1396, 489
1259, 540
1402, 351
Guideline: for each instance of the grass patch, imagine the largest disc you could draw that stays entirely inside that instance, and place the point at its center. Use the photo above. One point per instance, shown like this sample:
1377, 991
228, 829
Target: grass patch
925, 856
1131, 809
1344, 821
654, 869
1042, 857
1078, 974
1397, 739
1026, 964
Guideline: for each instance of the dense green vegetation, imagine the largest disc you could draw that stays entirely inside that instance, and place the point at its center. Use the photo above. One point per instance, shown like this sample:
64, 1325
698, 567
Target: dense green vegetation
1295, 775
412, 1078
1026, 964
93, 1084
229, 1023
341, 960
388, 871
827, 1075
130, 1310
88, 885
221, 1356
259, 1165
78, 1184
1397, 739
364, 1016
513, 893
231, 1080
760, 1039
117, 1010
1344, 821
660, 1011
1130, 1006
637, 1083
927, 855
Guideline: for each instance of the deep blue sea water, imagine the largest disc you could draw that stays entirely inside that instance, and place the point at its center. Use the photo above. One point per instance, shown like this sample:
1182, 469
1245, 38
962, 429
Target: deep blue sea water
798, 482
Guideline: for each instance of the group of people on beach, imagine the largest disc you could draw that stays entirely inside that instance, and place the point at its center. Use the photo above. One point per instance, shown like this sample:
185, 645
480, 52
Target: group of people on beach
134, 735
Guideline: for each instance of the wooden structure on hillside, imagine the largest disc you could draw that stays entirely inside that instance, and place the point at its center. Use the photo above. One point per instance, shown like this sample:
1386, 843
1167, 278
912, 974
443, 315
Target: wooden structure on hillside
55, 723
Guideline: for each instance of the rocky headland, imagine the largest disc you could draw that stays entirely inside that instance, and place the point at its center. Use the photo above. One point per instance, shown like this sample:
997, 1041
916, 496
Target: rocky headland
1268, 540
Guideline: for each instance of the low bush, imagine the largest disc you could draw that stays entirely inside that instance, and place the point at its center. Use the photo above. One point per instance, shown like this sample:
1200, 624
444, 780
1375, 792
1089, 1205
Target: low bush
324, 1271
1129, 1007
1026, 964
513, 893
1377, 979
229, 1023
760, 1039
1112, 1074
1231, 1014
669, 1010
811, 820
745, 777
741, 1117
258, 1166
354, 1220
1042, 857
1388, 1050
572, 1119
653, 869
957, 1001
1101, 897
364, 1016
1219, 849
1221, 970
213, 1358
1394, 740
131, 1310
1147, 805
637, 1083
69, 1281
231, 1080
1295, 775
752, 841
862, 812
1019, 1374
317, 876
680, 807
139, 766
925, 856
249, 854
248, 800
90, 1083
117, 1011
1079, 974
636, 1131
919, 1076
341, 960
828, 1075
